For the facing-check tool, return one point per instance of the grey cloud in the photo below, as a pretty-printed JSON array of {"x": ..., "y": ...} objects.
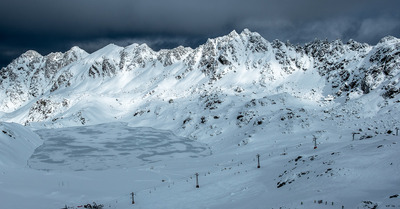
[
  {"x": 56, "y": 25},
  {"x": 163, "y": 16},
  {"x": 372, "y": 29}
]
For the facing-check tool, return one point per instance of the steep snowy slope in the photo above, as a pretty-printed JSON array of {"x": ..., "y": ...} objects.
[{"x": 17, "y": 144}]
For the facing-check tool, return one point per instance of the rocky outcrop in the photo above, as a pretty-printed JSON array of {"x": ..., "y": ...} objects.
[{"x": 31, "y": 75}]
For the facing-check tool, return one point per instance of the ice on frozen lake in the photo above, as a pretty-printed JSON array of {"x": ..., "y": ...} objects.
[{"x": 110, "y": 145}]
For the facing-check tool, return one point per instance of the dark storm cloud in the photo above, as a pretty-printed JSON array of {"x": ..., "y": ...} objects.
[{"x": 57, "y": 25}]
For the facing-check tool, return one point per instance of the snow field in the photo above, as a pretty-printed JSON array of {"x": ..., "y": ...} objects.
[{"x": 343, "y": 171}]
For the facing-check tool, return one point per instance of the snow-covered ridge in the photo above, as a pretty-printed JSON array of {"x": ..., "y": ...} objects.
[
  {"x": 134, "y": 80},
  {"x": 28, "y": 76}
]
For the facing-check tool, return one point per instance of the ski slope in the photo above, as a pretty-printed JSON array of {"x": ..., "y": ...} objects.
[{"x": 340, "y": 171}]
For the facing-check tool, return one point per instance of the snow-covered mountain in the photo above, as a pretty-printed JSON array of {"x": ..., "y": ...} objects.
[
  {"x": 36, "y": 88},
  {"x": 227, "y": 78},
  {"x": 239, "y": 94}
]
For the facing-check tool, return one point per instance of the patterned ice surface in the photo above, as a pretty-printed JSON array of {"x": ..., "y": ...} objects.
[{"x": 110, "y": 145}]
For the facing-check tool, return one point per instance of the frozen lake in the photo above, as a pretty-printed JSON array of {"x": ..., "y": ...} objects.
[{"x": 110, "y": 145}]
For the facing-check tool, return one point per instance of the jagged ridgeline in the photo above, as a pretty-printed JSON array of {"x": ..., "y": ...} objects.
[{"x": 136, "y": 80}]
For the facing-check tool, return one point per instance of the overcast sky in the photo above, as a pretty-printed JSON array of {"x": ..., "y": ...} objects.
[{"x": 57, "y": 25}]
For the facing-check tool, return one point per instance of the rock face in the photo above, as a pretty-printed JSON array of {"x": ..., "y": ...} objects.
[
  {"x": 234, "y": 70},
  {"x": 31, "y": 74}
]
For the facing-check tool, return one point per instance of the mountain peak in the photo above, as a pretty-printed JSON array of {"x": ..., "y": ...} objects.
[
  {"x": 145, "y": 47},
  {"x": 77, "y": 49},
  {"x": 387, "y": 39},
  {"x": 111, "y": 46},
  {"x": 132, "y": 46},
  {"x": 109, "y": 50},
  {"x": 31, "y": 54},
  {"x": 246, "y": 31},
  {"x": 233, "y": 34}
]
